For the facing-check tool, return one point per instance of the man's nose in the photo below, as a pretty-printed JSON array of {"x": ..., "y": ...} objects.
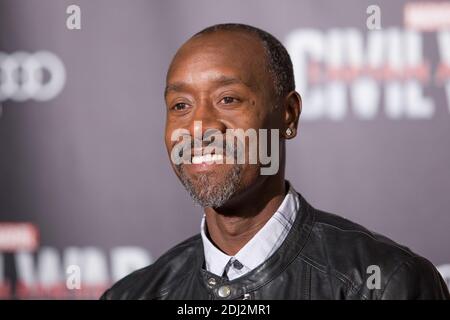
[{"x": 205, "y": 118}]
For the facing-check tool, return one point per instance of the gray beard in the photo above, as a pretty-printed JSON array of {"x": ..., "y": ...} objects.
[{"x": 207, "y": 194}]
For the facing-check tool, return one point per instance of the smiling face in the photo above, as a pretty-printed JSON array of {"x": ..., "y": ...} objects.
[{"x": 222, "y": 80}]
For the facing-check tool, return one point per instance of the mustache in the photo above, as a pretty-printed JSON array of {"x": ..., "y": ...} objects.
[{"x": 210, "y": 141}]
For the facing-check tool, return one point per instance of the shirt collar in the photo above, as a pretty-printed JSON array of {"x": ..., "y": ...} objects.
[{"x": 263, "y": 244}]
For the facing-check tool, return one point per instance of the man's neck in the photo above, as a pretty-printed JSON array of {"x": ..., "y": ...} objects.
[{"x": 231, "y": 228}]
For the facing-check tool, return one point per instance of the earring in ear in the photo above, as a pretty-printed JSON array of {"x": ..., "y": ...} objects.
[{"x": 289, "y": 132}]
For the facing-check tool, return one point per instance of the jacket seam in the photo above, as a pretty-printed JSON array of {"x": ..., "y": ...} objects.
[
  {"x": 370, "y": 236},
  {"x": 351, "y": 286},
  {"x": 333, "y": 273},
  {"x": 307, "y": 238},
  {"x": 327, "y": 259},
  {"x": 165, "y": 290},
  {"x": 400, "y": 265}
]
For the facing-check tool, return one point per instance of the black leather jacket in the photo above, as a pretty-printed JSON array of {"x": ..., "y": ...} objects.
[{"x": 323, "y": 257}]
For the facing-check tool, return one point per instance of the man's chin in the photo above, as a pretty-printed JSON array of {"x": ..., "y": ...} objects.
[{"x": 210, "y": 188}]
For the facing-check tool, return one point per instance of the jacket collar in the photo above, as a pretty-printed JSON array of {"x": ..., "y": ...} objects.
[
  {"x": 268, "y": 270},
  {"x": 263, "y": 244}
]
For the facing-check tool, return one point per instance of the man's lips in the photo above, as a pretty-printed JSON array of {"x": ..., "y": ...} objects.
[
  {"x": 207, "y": 156},
  {"x": 208, "y": 159},
  {"x": 204, "y": 157}
]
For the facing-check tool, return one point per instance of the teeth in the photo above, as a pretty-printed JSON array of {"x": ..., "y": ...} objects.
[{"x": 208, "y": 158}]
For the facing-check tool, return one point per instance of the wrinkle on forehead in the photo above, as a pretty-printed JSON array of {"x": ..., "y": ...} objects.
[
  {"x": 217, "y": 79},
  {"x": 202, "y": 56}
]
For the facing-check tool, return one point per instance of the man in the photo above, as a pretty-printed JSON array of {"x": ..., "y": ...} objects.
[{"x": 259, "y": 238}]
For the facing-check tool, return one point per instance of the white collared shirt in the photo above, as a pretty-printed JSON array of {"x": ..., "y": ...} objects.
[{"x": 263, "y": 244}]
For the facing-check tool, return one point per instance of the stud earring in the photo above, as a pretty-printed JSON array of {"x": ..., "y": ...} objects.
[{"x": 289, "y": 132}]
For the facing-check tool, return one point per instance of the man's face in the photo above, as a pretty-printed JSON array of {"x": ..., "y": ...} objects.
[{"x": 220, "y": 79}]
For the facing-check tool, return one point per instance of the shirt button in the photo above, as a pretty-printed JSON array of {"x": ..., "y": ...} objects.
[
  {"x": 238, "y": 265},
  {"x": 212, "y": 282},
  {"x": 224, "y": 291}
]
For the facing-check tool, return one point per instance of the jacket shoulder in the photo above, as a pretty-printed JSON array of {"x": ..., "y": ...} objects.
[
  {"x": 153, "y": 281},
  {"x": 350, "y": 255}
]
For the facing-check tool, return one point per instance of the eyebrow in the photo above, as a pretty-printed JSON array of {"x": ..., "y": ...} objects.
[{"x": 220, "y": 81}]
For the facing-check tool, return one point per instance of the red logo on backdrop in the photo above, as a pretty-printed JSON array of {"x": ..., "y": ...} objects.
[
  {"x": 18, "y": 236},
  {"x": 427, "y": 16}
]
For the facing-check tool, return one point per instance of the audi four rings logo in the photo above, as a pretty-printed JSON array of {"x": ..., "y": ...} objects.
[{"x": 40, "y": 76}]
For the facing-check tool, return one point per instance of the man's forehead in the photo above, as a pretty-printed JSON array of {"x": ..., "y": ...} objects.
[
  {"x": 218, "y": 58},
  {"x": 236, "y": 39},
  {"x": 214, "y": 79}
]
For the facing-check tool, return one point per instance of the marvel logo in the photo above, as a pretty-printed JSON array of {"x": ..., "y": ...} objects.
[{"x": 18, "y": 237}]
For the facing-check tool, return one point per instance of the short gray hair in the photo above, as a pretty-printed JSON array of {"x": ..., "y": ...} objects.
[{"x": 279, "y": 61}]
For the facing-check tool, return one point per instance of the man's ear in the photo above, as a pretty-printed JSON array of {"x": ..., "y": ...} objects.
[{"x": 292, "y": 110}]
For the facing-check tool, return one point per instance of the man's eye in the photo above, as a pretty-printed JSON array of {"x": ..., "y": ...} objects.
[
  {"x": 228, "y": 100},
  {"x": 179, "y": 106}
]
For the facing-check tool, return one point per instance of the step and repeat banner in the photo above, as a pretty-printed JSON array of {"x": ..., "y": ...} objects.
[{"x": 87, "y": 194}]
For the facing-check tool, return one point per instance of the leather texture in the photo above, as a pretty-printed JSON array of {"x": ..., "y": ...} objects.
[{"x": 323, "y": 257}]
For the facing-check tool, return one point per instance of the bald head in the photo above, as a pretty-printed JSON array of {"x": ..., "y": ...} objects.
[
  {"x": 269, "y": 53},
  {"x": 222, "y": 57}
]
